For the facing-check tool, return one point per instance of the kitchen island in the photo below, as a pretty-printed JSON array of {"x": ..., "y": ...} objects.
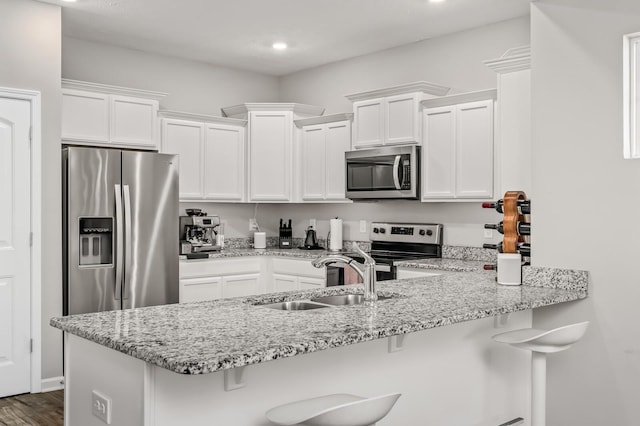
[{"x": 154, "y": 363}]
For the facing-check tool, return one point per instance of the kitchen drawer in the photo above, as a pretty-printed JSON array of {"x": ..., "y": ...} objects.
[
  {"x": 220, "y": 267},
  {"x": 297, "y": 267}
]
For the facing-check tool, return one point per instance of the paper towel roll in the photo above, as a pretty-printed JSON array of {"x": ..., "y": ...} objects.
[{"x": 335, "y": 237}]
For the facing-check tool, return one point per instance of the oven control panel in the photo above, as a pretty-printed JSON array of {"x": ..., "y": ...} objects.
[{"x": 426, "y": 233}]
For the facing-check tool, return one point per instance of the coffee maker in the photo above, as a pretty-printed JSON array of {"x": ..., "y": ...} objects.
[{"x": 198, "y": 233}]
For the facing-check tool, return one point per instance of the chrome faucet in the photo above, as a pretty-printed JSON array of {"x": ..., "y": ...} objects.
[{"x": 366, "y": 270}]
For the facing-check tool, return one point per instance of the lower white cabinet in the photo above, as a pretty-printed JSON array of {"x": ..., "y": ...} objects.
[
  {"x": 241, "y": 285},
  {"x": 210, "y": 279},
  {"x": 196, "y": 289}
]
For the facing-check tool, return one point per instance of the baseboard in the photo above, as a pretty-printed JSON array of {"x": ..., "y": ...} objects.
[{"x": 52, "y": 384}]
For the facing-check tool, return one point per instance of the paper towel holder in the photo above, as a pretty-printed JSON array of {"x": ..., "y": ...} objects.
[{"x": 329, "y": 244}]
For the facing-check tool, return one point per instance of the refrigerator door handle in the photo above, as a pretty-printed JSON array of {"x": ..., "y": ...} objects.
[
  {"x": 128, "y": 251},
  {"x": 119, "y": 242}
]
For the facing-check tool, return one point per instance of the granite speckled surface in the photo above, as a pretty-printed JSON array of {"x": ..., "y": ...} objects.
[{"x": 203, "y": 337}]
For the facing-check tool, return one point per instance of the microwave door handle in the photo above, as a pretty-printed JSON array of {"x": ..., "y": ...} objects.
[
  {"x": 117, "y": 291},
  {"x": 396, "y": 170}
]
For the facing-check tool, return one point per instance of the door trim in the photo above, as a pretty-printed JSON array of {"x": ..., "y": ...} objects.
[{"x": 34, "y": 97}]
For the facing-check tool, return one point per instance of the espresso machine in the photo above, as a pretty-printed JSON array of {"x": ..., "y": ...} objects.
[{"x": 198, "y": 233}]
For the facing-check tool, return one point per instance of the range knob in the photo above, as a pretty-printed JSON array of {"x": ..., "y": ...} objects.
[
  {"x": 429, "y": 232},
  {"x": 422, "y": 232},
  {"x": 375, "y": 230},
  {"x": 382, "y": 230}
]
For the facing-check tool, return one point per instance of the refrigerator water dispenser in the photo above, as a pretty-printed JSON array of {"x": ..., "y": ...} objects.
[{"x": 96, "y": 241}]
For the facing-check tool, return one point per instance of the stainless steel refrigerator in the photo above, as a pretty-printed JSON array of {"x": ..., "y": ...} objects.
[{"x": 120, "y": 221}]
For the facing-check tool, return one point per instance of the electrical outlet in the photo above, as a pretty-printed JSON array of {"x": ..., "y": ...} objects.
[
  {"x": 363, "y": 226},
  {"x": 488, "y": 233},
  {"x": 101, "y": 406},
  {"x": 253, "y": 224},
  {"x": 312, "y": 223}
]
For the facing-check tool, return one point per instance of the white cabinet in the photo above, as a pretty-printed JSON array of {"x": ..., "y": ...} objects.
[
  {"x": 241, "y": 285},
  {"x": 197, "y": 289},
  {"x": 212, "y": 155},
  {"x": 270, "y": 147},
  {"x": 457, "y": 150},
  {"x": 296, "y": 274},
  {"x": 210, "y": 279},
  {"x": 391, "y": 116},
  {"x": 102, "y": 115},
  {"x": 323, "y": 142},
  {"x": 270, "y": 158}
]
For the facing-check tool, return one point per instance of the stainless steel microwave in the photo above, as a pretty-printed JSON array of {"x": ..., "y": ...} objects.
[{"x": 383, "y": 173}]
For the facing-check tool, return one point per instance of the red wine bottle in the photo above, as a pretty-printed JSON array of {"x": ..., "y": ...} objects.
[
  {"x": 524, "y": 206},
  {"x": 523, "y": 248},
  {"x": 523, "y": 228}
]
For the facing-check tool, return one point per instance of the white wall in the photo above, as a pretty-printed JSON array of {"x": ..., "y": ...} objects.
[
  {"x": 453, "y": 60},
  {"x": 587, "y": 205},
  {"x": 192, "y": 86},
  {"x": 30, "y": 46}
]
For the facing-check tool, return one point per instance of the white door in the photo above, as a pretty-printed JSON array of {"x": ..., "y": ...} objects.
[
  {"x": 313, "y": 162},
  {"x": 224, "y": 162},
  {"x": 401, "y": 118},
  {"x": 439, "y": 153},
  {"x": 185, "y": 139},
  {"x": 15, "y": 254},
  {"x": 270, "y": 146},
  {"x": 240, "y": 285},
  {"x": 338, "y": 141},
  {"x": 368, "y": 122}
]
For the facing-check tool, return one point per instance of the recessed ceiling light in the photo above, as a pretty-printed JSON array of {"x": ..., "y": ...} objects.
[
  {"x": 436, "y": 1},
  {"x": 69, "y": 1},
  {"x": 279, "y": 46}
]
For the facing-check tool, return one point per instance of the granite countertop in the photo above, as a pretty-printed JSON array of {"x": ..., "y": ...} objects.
[
  {"x": 271, "y": 251},
  {"x": 203, "y": 337}
]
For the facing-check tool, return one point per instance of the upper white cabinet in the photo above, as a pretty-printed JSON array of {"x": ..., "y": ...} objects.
[
  {"x": 322, "y": 144},
  {"x": 102, "y": 115},
  {"x": 270, "y": 147},
  {"x": 212, "y": 155},
  {"x": 391, "y": 116},
  {"x": 457, "y": 148}
]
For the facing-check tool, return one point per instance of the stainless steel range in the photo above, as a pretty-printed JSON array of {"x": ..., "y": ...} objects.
[{"x": 391, "y": 243}]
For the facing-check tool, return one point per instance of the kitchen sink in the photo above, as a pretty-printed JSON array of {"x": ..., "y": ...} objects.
[
  {"x": 345, "y": 299},
  {"x": 295, "y": 305}
]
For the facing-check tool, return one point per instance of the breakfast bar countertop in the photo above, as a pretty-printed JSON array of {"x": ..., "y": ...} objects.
[{"x": 203, "y": 337}]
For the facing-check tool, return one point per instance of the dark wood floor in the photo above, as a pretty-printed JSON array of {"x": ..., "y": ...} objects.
[{"x": 35, "y": 409}]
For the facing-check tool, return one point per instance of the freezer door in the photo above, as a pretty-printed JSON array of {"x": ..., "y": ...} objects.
[
  {"x": 150, "y": 200},
  {"x": 91, "y": 178}
]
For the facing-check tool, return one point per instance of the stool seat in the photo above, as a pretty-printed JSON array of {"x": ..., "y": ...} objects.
[
  {"x": 546, "y": 341},
  {"x": 334, "y": 410}
]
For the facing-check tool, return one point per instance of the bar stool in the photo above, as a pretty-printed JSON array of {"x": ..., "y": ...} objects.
[
  {"x": 334, "y": 410},
  {"x": 541, "y": 343}
]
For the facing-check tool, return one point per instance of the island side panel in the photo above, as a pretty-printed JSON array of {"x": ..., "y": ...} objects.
[
  {"x": 450, "y": 375},
  {"x": 91, "y": 367}
]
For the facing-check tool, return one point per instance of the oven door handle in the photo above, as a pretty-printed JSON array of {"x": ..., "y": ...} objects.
[
  {"x": 383, "y": 268},
  {"x": 396, "y": 170}
]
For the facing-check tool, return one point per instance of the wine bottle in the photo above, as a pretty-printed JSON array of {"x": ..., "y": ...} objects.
[
  {"x": 524, "y": 206},
  {"x": 523, "y": 228},
  {"x": 523, "y": 248}
]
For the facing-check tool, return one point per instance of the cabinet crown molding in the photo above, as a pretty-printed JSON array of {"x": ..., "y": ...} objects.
[
  {"x": 112, "y": 90},
  {"x": 515, "y": 59},
  {"x": 202, "y": 118},
  {"x": 302, "y": 109},
  {"x": 417, "y": 86},
  {"x": 460, "y": 98},
  {"x": 323, "y": 119}
]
